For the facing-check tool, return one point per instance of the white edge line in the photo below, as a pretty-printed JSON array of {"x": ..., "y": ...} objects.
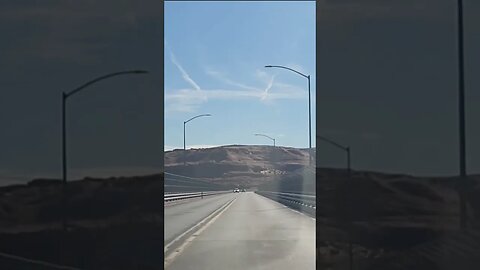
[
  {"x": 192, "y": 228},
  {"x": 172, "y": 256}
]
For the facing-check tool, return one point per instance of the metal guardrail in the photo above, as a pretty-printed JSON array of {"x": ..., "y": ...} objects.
[
  {"x": 183, "y": 196},
  {"x": 307, "y": 200},
  {"x": 183, "y": 178},
  {"x": 184, "y": 184}
]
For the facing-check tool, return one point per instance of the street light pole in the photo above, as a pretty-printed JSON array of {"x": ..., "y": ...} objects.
[
  {"x": 348, "y": 161},
  {"x": 309, "y": 123},
  {"x": 350, "y": 248},
  {"x": 184, "y": 144},
  {"x": 349, "y": 172},
  {"x": 64, "y": 137},
  {"x": 461, "y": 108},
  {"x": 273, "y": 139},
  {"x": 309, "y": 109},
  {"x": 266, "y": 136},
  {"x": 345, "y": 148},
  {"x": 64, "y": 163}
]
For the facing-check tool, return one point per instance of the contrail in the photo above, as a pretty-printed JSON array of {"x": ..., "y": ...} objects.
[
  {"x": 268, "y": 88},
  {"x": 223, "y": 78},
  {"x": 184, "y": 73}
]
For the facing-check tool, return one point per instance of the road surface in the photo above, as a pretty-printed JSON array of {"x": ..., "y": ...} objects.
[
  {"x": 252, "y": 232},
  {"x": 183, "y": 215}
]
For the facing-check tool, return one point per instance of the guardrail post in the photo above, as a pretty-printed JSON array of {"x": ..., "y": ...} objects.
[{"x": 202, "y": 194}]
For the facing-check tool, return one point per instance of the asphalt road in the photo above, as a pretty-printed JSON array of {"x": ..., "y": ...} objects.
[
  {"x": 253, "y": 233},
  {"x": 182, "y": 216}
]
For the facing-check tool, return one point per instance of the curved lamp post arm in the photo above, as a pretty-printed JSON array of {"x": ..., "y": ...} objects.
[
  {"x": 197, "y": 117},
  {"x": 309, "y": 108},
  {"x": 345, "y": 148},
  {"x": 291, "y": 69},
  {"x": 333, "y": 143},
  {"x": 184, "y": 136},
  {"x": 264, "y": 136},
  {"x": 256, "y": 134},
  {"x": 66, "y": 95},
  {"x": 201, "y": 115}
]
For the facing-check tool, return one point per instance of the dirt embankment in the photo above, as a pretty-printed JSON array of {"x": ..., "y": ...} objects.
[
  {"x": 114, "y": 223},
  {"x": 389, "y": 217}
]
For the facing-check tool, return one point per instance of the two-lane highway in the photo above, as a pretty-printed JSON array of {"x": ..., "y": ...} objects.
[
  {"x": 183, "y": 215},
  {"x": 252, "y": 232}
]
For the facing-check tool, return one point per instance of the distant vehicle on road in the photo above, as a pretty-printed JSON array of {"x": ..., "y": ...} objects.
[
  {"x": 244, "y": 190},
  {"x": 236, "y": 190}
]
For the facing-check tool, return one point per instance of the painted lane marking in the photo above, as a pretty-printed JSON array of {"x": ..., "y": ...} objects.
[{"x": 170, "y": 258}]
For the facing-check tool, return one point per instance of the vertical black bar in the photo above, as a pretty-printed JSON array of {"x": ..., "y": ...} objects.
[
  {"x": 317, "y": 86},
  {"x": 348, "y": 162},
  {"x": 63, "y": 246},
  {"x": 350, "y": 247},
  {"x": 274, "y": 156},
  {"x": 309, "y": 124},
  {"x": 461, "y": 107},
  {"x": 161, "y": 40},
  {"x": 184, "y": 147},
  {"x": 64, "y": 163}
]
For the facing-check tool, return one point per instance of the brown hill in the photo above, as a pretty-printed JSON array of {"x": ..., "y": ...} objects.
[
  {"x": 245, "y": 165},
  {"x": 38, "y": 204}
]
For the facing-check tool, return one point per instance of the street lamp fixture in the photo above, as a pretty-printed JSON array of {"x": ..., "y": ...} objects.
[
  {"x": 65, "y": 96},
  {"x": 309, "y": 108},
  {"x": 263, "y": 135},
  {"x": 273, "y": 139},
  {"x": 184, "y": 144},
  {"x": 347, "y": 150}
]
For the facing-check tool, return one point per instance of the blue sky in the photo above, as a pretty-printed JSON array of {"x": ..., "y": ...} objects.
[{"x": 215, "y": 53}]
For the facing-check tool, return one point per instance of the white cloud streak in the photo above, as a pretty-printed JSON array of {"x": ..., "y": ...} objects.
[
  {"x": 190, "y": 99},
  {"x": 185, "y": 75},
  {"x": 270, "y": 84},
  {"x": 220, "y": 76}
]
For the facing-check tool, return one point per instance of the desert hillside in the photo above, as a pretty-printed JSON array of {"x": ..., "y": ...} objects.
[{"x": 244, "y": 165}]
